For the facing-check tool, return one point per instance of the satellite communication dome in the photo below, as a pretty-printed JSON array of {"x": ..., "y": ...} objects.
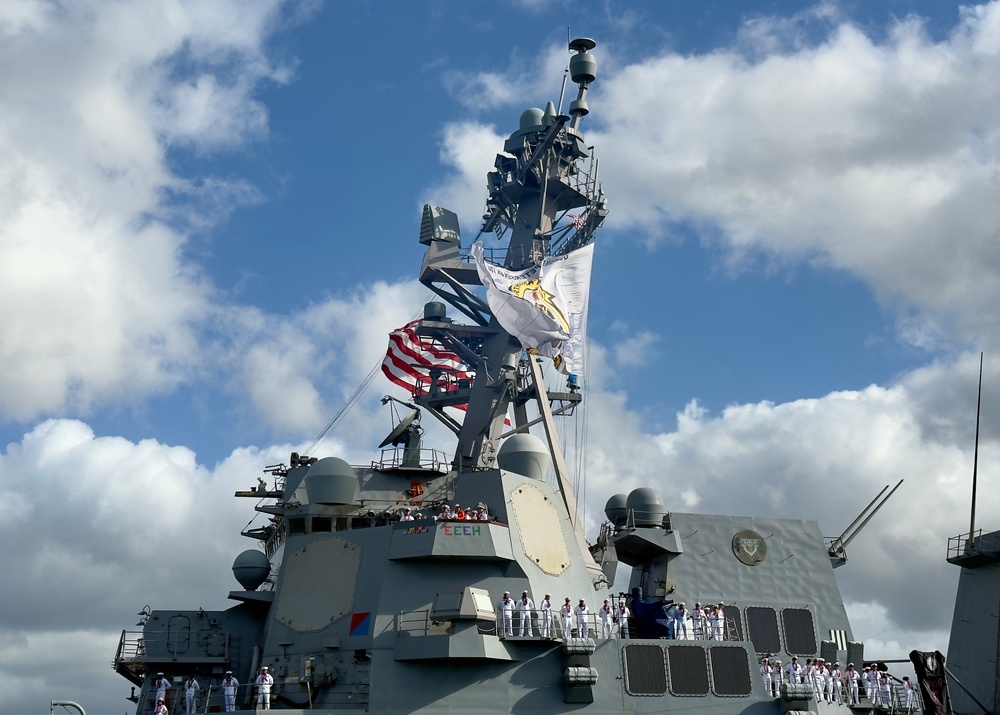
[
  {"x": 251, "y": 569},
  {"x": 524, "y": 454},
  {"x": 646, "y": 507},
  {"x": 616, "y": 510},
  {"x": 331, "y": 481}
]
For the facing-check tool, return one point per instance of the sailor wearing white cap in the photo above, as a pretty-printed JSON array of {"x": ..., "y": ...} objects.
[
  {"x": 623, "y": 616},
  {"x": 794, "y": 671},
  {"x": 581, "y": 612},
  {"x": 680, "y": 623},
  {"x": 697, "y": 618},
  {"x": 191, "y": 691},
  {"x": 871, "y": 685},
  {"x": 546, "y": 616},
  {"x": 161, "y": 684},
  {"x": 506, "y": 609},
  {"x": 229, "y": 686},
  {"x": 567, "y": 618},
  {"x": 524, "y": 608},
  {"x": 853, "y": 677},
  {"x": 777, "y": 676},
  {"x": 264, "y": 682},
  {"x": 161, "y": 707},
  {"x": 765, "y": 674},
  {"x": 837, "y": 681}
]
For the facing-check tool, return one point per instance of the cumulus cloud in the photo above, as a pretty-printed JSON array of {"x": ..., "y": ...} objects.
[
  {"x": 808, "y": 140},
  {"x": 102, "y": 527},
  {"x": 878, "y": 158},
  {"x": 314, "y": 358},
  {"x": 824, "y": 459},
  {"x": 100, "y": 302}
]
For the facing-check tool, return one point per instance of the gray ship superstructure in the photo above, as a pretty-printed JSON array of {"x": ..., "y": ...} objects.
[{"x": 358, "y": 599}]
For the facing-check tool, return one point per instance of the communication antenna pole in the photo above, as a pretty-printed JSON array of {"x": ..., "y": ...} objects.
[{"x": 975, "y": 458}]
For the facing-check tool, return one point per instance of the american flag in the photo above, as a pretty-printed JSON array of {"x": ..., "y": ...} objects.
[
  {"x": 410, "y": 358},
  {"x": 578, "y": 221}
]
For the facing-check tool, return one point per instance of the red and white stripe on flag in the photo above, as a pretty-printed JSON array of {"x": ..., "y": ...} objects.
[{"x": 410, "y": 358}]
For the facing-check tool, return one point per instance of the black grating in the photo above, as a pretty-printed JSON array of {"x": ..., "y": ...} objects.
[
  {"x": 730, "y": 670},
  {"x": 322, "y": 524},
  {"x": 645, "y": 671},
  {"x": 734, "y": 620},
  {"x": 800, "y": 636},
  {"x": 297, "y": 525},
  {"x": 762, "y": 627},
  {"x": 688, "y": 670}
]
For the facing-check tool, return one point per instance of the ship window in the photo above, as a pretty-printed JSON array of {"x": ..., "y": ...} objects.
[
  {"x": 730, "y": 670},
  {"x": 762, "y": 627},
  {"x": 645, "y": 670},
  {"x": 322, "y": 523},
  {"x": 297, "y": 525},
  {"x": 734, "y": 620},
  {"x": 800, "y": 636},
  {"x": 688, "y": 671}
]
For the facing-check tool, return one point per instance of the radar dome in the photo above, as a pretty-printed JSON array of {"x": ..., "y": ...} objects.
[
  {"x": 616, "y": 509},
  {"x": 331, "y": 481},
  {"x": 251, "y": 569},
  {"x": 646, "y": 507},
  {"x": 531, "y": 118},
  {"x": 524, "y": 454}
]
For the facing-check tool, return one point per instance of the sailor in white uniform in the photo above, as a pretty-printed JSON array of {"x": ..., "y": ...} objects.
[
  {"x": 623, "y": 616},
  {"x": 837, "y": 683},
  {"x": 777, "y": 677},
  {"x": 524, "y": 608},
  {"x": 607, "y": 614},
  {"x": 191, "y": 692},
  {"x": 582, "y": 612},
  {"x": 680, "y": 623},
  {"x": 544, "y": 625},
  {"x": 765, "y": 675},
  {"x": 871, "y": 686},
  {"x": 229, "y": 686},
  {"x": 720, "y": 621},
  {"x": 161, "y": 684},
  {"x": 853, "y": 677},
  {"x": 697, "y": 618},
  {"x": 794, "y": 671},
  {"x": 567, "y": 618},
  {"x": 161, "y": 708},
  {"x": 264, "y": 682},
  {"x": 506, "y": 608},
  {"x": 909, "y": 694},
  {"x": 885, "y": 682}
]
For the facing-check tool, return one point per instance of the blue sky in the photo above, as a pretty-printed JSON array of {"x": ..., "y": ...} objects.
[{"x": 209, "y": 225}]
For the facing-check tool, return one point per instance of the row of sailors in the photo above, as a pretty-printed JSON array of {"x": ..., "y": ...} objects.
[
  {"x": 829, "y": 682},
  {"x": 569, "y": 615},
  {"x": 229, "y": 686},
  {"x": 446, "y": 514},
  {"x": 708, "y": 622}
]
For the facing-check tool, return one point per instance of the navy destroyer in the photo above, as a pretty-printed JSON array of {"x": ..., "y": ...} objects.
[{"x": 426, "y": 582}]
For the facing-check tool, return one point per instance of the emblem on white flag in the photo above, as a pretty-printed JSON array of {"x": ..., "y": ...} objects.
[{"x": 544, "y": 306}]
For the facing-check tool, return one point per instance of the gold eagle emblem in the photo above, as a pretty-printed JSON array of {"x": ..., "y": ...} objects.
[{"x": 533, "y": 292}]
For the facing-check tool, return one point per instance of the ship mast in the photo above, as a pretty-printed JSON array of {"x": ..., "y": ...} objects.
[{"x": 545, "y": 171}]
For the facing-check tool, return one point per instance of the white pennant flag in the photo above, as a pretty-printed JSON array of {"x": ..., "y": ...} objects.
[{"x": 544, "y": 306}]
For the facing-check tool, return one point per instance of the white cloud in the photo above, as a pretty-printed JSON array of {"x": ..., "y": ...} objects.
[
  {"x": 296, "y": 370},
  {"x": 104, "y": 526},
  {"x": 824, "y": 459},
  {"x": 100, "y": 302},
  {"x": 469, "y": 148},
  {"x": 879, "y": 158}
]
